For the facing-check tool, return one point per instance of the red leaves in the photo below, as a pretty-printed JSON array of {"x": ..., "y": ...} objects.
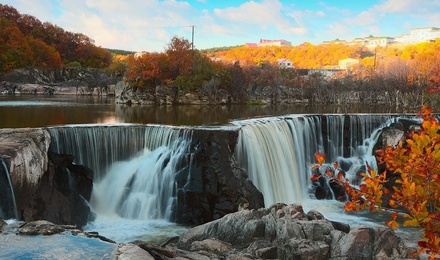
[
  {"x": 315, "y": 177},
  {"x": 415, "y": 165}
]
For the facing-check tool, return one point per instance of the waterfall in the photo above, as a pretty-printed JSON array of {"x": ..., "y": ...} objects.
[
  {"x": 277, "y": 152},
  {"x": 8, "y": 208},
  {"x": 98, "y": 146},
  {"x": 273, "y": 151},
  {"x": 134, "y": 166}
]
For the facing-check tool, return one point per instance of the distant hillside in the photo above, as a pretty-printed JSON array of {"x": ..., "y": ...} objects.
[
  {"x": 327, "y": 55},
  {"x": 218, "y": 49},
  {"x": 306, "y": 55},
  {"x": 120, "y": 52},
  {"x": 28, "y": 42}
]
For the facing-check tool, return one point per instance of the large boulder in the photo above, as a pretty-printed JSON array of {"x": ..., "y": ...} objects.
[{"x": 286, "y": 232}]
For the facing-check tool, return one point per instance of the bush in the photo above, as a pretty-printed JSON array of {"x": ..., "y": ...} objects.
[{"x": 416, "y": 193}]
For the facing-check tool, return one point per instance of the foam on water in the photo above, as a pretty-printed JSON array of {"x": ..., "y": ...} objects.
[{"x": 124, "y": 230}]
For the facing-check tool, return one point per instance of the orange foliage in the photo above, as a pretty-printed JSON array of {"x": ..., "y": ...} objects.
[
  {"x": 304, "y": 56},
  {"x": 415, "y": 196},
  {"x": 26, "y": 41},
  {"x": 416, "y": 162}
]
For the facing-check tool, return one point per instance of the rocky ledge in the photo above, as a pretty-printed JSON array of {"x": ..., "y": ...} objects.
[
  {"x": 46, "y": 185},
  {"x": 279, "y": 232}
]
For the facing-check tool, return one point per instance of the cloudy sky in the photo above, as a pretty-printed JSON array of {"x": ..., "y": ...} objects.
[{"x": 148, "y": 25}]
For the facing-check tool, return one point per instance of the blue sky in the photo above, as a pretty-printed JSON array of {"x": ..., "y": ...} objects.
[{"x": 148, "y": 25}]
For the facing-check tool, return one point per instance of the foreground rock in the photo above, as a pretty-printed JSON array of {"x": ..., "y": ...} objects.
[
  {"x": 279, "y": 232},
  {"x": 286, "y": 232}
]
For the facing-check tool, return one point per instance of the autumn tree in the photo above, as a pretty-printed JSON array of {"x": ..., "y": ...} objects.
[
  {"x": 15, "y": 52},
  {"x": 180, "y": 55},
  {"x": 415, "y": 195},
  {"x": 40, "y": 41},
  {"x": 146, "y": 71}
]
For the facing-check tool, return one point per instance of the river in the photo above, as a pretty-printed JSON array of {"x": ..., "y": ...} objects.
[{"x": 18, "y": 111}]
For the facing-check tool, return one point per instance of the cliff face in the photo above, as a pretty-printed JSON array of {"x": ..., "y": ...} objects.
[
  {"x": 216, "y": 185},
  {"x": 69, "y": 81},
  {"x": 40, "y": 183}
]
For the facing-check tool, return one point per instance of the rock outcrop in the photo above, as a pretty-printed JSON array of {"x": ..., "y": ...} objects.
[
  {"x": 286, "y": 232},
  {"x": 45, "y": 187},
  {"x": 279, "y": 232},
  {"x": 70, "y": 81},
  {"x": 216, "y": 185}
]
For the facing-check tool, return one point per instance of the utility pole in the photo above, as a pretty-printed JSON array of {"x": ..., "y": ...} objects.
[
  {"x": 192, "y": 38},
  {"x": 192, "y": 50}
]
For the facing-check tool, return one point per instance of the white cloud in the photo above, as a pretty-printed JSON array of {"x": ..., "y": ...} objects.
[
  {"x": 150, "y": 24},
  {"x": 364, "y": 19},
  {"x": 266, "y": 15}
]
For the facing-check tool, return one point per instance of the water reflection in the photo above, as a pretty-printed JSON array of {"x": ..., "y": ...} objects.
[{"x": 37, "y": 111}]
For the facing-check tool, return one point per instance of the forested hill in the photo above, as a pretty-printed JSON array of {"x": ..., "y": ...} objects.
[
  {"x": 26, "y": 41},
  {"x": 422, "y": 57},
  {"x": 306, "y": 55}
]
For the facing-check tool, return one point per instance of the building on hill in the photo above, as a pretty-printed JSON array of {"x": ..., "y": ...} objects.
[
  {"x": 416, "y": 35},
  {"x": 419, "y": 35},
  {"x": 281, "y": 42},
  {"x": 346, "y": 64},
  {"x": 372, "y": 42},
  {"x": 251, "y": 44},
  {"x": 138, "y": 55},
  {"x": 285, "y": 64}
]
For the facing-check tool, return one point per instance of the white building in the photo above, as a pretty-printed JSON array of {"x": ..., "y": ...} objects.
[
  {"x": 285, "y": 64},
  {"x": 419, "y": 35},
  {"x": 346, "y": 64},
  {"x": 372, "y": 42},
  {"x": 264, "y": 42}
]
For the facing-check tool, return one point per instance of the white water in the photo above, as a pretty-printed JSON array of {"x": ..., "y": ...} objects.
[
  {"x": 272, "y": 151},
  {"x": 134, "y": 166},
  {"x": 142, "y": 188},
  {"x": 278, "y": 152},
  {"x": 134, "y": 188}
]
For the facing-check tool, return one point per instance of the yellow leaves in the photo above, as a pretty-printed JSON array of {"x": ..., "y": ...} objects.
[
  {"x": 411, "y": 223},
  {"x": 393, "y": 203},
  {"x": 416, "y": 162},
  {"x": 320, "y": 158},
  {"x": 392, "y": 224}
]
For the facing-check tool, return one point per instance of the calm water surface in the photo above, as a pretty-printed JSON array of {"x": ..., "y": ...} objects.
[{"x": 37, "y": 110}]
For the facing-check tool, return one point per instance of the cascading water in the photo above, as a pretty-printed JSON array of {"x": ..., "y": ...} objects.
[
  {"x": 98, "y": 147},
  {"x": 134, "y": 168},
  {"x": 8, "y": 208},
  {"x": 278, "y": 152},
  {"x": 146, "y": 189},
  {"x": 135, "y": 165},
  {"x": 272, "y": 151}
]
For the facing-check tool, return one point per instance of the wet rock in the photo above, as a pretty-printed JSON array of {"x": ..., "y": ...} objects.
[
  {"x": 130, "y": 251},
  {"x": 158, "y": 252},
  {"x": 216, "y": 185},
  {"x": 286, "y": 232},
  {"x": 42, "y": 227},
  {"x": 367, "y": 243}
]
